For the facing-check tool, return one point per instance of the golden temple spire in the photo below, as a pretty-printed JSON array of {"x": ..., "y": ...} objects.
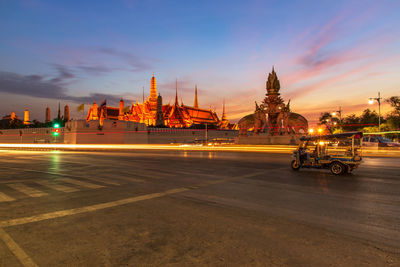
[
  {"x": 223, "y": 111},
  {"x": 153, "y": 90},
  {"x": 176, "y": 92},
  {"x": 196, "y": 102}
]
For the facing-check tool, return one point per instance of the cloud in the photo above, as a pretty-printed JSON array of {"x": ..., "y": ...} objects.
[
  {"x": 39, "y": 86},
  {"x": 64, "y": 74},
  {"x": 136, "y": 63}
]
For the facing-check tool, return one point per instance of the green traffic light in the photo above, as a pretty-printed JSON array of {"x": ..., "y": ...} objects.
[
  {"x": 56, "y": 133},
  {"x": 56, "y": 125}
]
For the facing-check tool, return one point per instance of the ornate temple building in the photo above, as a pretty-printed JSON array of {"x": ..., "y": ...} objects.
[{"x": 152, "y": 112}]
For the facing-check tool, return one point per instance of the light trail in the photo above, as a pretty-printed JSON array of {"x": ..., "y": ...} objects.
[
  {"x": 271, "y": 148},
  {"x": 284, "y": 149}
]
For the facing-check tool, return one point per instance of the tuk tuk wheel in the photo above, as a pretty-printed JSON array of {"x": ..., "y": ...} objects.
[
  {"x": 295, "y": 165},
  {"x": 337, "y": 168}
]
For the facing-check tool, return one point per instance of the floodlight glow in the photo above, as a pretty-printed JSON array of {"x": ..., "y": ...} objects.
[
  {"x": 320, "y": 130},
  {"x": 370, "y": 101},
  {"x": 310, "y": 131}
]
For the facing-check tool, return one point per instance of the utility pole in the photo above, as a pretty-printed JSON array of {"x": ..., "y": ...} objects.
[
  {"x": 339, "y": 112},
  {"x": 378, "y": 99}
]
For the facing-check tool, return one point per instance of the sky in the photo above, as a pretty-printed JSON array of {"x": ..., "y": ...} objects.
[{"x": 326, "y": 53}]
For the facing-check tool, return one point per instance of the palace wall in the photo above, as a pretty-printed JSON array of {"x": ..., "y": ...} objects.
[
  {"x": 112, "y": 132},
  {"x": 264, "y": 139},
  {"x": 171, "y": 135},
  {"x": 30, "y": 135}
]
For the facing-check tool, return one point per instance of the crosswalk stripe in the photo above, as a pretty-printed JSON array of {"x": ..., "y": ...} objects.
[
  {"x": 27, "y": 190},
  {"x": 81, "y": 183},
  {"x": 131, "y": 179},
  {"x": 105, "y": 181},
  {"x": 58, "y": 187},
  {"x": 5, "y": 198}
]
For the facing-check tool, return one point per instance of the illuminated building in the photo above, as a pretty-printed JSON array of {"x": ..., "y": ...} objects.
[
  {"x": 66, "y": 113},
  {"x": 48, "y": 119},
  {"x": 26, "y": 117},
  {"x": 153, "y": 113}
]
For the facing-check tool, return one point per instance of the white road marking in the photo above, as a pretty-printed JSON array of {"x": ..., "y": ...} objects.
[
  {"x": 63, "y": 213},
  {"x": 16, "y": 250},
  {"x": 5, "y": 198},
  {"x": 27, "y": 190},
  {"x": 131, "y": 179},
  {"x": 58, "y": 187},
  {"x": 105, "y": 181},
  {"x": 81, "y": 183}
]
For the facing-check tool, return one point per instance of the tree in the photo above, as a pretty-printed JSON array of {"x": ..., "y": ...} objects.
[
  {"x": 330, "y": 122},
  {"x": 369, "y": 117},
  {"x": 393, "y": 118},
  {"x": 351, "y": 123},
  {"x": 394, "y": 101}
]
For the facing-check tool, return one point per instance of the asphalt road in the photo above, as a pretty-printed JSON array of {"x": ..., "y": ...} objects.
[{"x": 182, "y": 208}]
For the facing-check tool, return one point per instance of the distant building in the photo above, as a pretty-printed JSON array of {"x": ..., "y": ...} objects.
[
  {"x": 66, "y": 113},
  {"x": 26, "y": 117},
  {"x": 48, "y": 119},
  {"x": 153, "y": 113},
  {"x": 11, "y": 121}
]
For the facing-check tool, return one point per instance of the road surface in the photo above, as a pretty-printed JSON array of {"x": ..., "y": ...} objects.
[{"x": 182, "y": 208}]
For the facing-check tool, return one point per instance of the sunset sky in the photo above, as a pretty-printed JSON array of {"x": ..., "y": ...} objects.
[{"x": 326, "y": 53}]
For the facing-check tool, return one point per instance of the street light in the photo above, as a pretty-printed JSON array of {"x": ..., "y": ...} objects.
[
  {"x": 371, "y": 101},
  {"x": 338, "y": 112}
]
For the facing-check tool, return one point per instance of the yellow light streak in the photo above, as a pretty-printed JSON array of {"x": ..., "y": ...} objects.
[{"x": 284, "y": 149}]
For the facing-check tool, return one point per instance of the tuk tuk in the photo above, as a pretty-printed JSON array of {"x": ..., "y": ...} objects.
[{"x": 340, "y": 153}]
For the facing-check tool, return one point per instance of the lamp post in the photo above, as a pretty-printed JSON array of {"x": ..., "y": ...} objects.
[
  {"x": 371, "y": 101},
  {"x": 338, "y": 112}
]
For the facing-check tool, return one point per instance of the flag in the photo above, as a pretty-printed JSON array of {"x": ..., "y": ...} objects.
[{"x": 81, "y": 107}]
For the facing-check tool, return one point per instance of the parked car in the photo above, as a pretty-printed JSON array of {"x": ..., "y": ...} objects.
[{"x": 378, "y": 141}]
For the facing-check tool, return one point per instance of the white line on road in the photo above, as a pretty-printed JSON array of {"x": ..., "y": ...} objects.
[
  {"x": 58, "y": 187},
  {"x": 16, "y": 250},
  {"x": 81, "y": 183},
  {"x": 63, "y": 213},
  {"x": 105, "y": 181},
  {"x": 5, "y": 198},
  {"x": 27, "y": 190}
]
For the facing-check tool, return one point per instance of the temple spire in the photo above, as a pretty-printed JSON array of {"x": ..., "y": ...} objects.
[
  {"x": 153, "y": 91},
  {"x": 59, "y": 112},
  {"x": 176, "y": 92},
  {"x": 196, "y": 102},
  {"x": 223, "y": 111}
]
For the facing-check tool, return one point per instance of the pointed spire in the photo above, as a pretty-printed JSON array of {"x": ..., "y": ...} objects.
[
  {"x": 196, "y": 102},
  {"x": 176, "y": 92},
  {"x": 153, "y": 91},
  {"x": 59, "y": 112},
  {"x": 223, "y": 111}
]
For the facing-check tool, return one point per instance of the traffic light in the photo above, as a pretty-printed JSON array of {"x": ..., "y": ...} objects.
[{"x": 56, "y": 129}]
